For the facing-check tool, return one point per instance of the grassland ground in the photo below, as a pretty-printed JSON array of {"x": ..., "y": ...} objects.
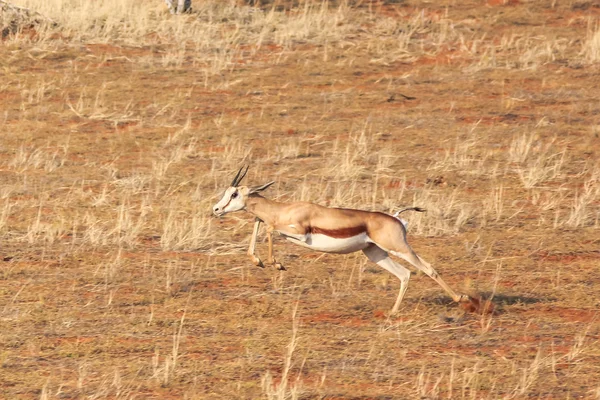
[{"x": 120, "y": 125}]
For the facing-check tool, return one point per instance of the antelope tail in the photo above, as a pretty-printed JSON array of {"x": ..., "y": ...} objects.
[{"x": 417, "y": 209}]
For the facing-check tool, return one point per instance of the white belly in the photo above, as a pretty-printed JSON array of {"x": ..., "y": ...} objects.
[{"x": 327, "y": 244}]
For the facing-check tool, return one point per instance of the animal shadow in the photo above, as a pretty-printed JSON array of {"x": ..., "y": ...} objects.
[
  {"x": 509, "y": 300},
  {"x": 499, "y": 301}
]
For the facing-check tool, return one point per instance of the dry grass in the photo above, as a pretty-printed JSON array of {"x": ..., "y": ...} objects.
[{"x": 121, "y": 124}]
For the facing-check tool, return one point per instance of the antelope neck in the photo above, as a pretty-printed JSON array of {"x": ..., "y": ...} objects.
[{"x": 263, "y": 208}]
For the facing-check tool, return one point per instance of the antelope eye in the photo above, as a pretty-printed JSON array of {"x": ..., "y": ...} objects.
[{"x": 234, "y": 195}]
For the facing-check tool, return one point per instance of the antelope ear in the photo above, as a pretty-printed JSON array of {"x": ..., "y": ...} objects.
[{"x": 257, "y": 189}]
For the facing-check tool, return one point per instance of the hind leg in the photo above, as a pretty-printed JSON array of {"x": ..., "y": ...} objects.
[
  {"x": 381, "y": 258},
  {"x": 272, "y": 259},
  {"x": 410, "y": 256},
  {"x": 392, "y": 238}
]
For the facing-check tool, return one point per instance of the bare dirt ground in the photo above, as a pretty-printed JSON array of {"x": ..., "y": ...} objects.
[{"x": 120, "y": 126}]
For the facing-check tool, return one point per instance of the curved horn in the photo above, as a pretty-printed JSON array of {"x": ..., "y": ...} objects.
[{"x": 239, "y": 178}]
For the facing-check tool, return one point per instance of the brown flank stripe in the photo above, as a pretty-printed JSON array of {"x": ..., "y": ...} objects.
[{"x": 341, "y": 233}]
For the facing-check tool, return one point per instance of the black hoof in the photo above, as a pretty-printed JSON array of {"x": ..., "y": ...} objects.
[{"x": 280, "y": 267}]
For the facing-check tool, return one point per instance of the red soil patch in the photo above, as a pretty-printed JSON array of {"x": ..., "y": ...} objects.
[
  {"x": 108, "y": 49},
  {"x": 330, "y": 318},
  {"x": 73, "y": 339},
  {"x": 568, "y": 257},
  {"x": 567, "y": 314},
  {"x": 574, "y": 314}
]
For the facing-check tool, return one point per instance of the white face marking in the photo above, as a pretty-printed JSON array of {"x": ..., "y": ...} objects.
[
  {"x": 327, "y": 244},
  {"x": 234, "y": 199}
]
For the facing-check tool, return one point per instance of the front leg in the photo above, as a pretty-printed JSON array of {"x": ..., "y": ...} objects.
[
  {"x": 252, "y": 248},
  {"x": 272, "y": 260}
]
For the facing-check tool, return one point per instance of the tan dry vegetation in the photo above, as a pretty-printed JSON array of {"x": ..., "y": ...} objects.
[{"x": 120, "y": 125}]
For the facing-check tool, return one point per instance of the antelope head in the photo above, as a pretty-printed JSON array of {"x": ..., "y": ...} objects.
[{"x": 234, "y": 198}]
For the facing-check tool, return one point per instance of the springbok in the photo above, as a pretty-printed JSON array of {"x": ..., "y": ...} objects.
[{"x": 330, "y": 230}]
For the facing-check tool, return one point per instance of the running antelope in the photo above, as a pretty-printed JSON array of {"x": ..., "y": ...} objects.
[{"x": 330, "y": 230}]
